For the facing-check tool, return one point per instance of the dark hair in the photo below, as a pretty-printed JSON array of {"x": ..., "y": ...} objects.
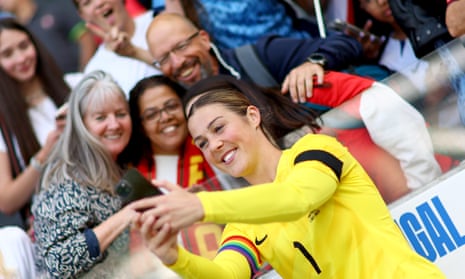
[
  {"x": 13, "y": 108},
  {"x": 139, "y": 146},
  {"x": 279, "y": 114}
]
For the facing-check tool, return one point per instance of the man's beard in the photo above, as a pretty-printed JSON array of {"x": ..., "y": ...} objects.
[{"x": 206, "y": 70}]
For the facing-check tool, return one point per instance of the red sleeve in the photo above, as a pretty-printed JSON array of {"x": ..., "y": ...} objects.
[{"x": 338, "y": 87}]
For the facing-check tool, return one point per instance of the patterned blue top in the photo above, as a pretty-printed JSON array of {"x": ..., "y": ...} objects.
[
  {"x": 66, "y": 247},
  {"x": 234, "y": 23}
]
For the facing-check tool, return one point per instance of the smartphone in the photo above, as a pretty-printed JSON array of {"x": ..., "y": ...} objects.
[
  {"x": 134, "y": 186},
  {"x": 345, "y": 27}
]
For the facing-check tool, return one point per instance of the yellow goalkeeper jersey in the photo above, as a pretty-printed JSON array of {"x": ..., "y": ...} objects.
[{"x": 322, "y": 217}]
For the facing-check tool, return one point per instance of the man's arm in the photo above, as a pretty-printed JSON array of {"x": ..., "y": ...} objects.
[{"x": 281, "y": 55}]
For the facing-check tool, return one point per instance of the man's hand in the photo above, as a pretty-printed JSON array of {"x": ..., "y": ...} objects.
[{"x": 299, "y": 82}]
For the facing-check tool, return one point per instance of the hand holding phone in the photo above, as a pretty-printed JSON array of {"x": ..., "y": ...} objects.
[{"x": 134, "y": 186}]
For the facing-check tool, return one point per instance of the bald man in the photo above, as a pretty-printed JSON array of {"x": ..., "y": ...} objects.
[{"x": 186, "y": 54}]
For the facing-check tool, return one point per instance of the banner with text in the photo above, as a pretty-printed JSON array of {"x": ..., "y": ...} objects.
[{"x": 433, "y": 221}]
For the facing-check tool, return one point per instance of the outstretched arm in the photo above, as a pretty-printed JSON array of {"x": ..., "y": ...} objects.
[
  {"x": 281, "y": 54},
  {"x": 308, "y": 186}
]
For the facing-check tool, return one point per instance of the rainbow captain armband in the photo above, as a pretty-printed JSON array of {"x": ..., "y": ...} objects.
[{"x": 245, "y": 247}]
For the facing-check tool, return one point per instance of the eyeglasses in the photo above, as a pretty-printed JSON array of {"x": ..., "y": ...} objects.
[
  {"x": 154, "y": 114},
  {"x": 179, "y": 48}
]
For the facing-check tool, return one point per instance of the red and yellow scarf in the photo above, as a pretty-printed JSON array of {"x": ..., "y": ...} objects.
[{"x": 192, "y": 170}]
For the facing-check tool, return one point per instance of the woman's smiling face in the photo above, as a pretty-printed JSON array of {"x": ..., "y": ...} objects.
[
  {"x": 163, "y": 119},
  {"x": 18, "y": 55},
  {"x": 226, "y": 138},
  {"x": 110, "y": 123}
]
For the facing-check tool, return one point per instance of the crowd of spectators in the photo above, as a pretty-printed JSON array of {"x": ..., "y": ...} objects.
[{"x": 93, "y": 89}]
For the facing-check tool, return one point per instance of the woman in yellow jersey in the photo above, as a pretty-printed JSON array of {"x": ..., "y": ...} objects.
[{"x": 313, "y": 212}]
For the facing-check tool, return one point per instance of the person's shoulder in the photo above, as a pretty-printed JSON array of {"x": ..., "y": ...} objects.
[
  {"x": 62, "y": 196},
  {"x": 318, "y": 142},
  {"x": 315, "y": 140},
  {"x": 64, "y": 189}
]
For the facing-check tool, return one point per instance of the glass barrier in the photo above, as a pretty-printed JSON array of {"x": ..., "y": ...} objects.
[
  {"x": 442, "y": 98},
  {"x": 435, "y": 86}
]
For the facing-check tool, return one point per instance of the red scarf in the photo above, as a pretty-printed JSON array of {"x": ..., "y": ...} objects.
[{"x": 192, "y": 168}]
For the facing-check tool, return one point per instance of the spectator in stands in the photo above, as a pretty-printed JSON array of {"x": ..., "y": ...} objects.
[
  {"x": 161, "y": 148},
  {"x": 120, "y": 32},
  {"x": 397, "y": 53},
  {"x": 300, "y": 197},
  {"x": 188, "y": 61},
  {"x": 160, "y": 129},
  {"x": 79, "y": 225},
  {"x": 186, "y": 54},
  {"x": 31, "y": 89},
  {"x": 57, "y": 25}
]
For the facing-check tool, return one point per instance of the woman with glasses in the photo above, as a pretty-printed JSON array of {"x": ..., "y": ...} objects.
[
  {"x": 161, "y": 148},
  {"x": 81, "y": 225}
]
